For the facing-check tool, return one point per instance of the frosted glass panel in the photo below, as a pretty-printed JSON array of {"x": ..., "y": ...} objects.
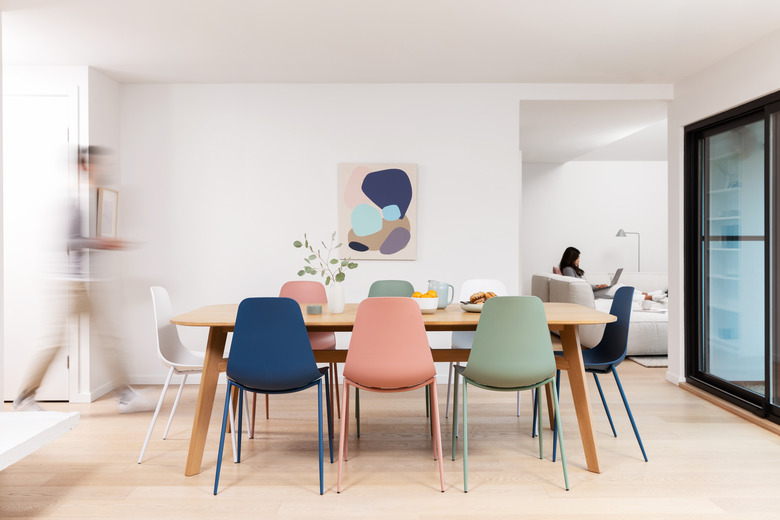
[
  {"x": 734, "y": 255},
  {"x": 735, "y": 313},
  {"x": 736, "y": 181}
]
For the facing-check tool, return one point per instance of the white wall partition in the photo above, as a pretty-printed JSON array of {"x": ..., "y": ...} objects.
[
  {"x": 219, "y": 180},
  {"x": 583, "y": 204}
]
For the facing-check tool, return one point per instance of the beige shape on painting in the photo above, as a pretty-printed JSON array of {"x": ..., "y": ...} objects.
[
  {"x": 375, "y": 241},
  {"x": 353, "y": 191}
]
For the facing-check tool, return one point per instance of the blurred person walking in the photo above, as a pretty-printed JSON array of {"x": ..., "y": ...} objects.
[{"x": 77, "y": 292}]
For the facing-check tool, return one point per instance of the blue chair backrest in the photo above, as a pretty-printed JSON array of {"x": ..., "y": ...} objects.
[
  {"x": 614, "y": 343},
  {"x": 270, "y": 348}
]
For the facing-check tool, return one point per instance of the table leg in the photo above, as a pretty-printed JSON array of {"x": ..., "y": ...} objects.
[
  {"x": 579, "y": 391},
  {"x": 550, "y": 404},
  {"x": 215, "y": 348}
]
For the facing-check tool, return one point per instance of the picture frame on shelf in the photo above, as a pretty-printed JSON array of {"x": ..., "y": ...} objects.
[{"x": 108, "y": 212}]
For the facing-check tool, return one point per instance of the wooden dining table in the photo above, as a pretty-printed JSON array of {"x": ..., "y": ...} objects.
[{"x": 562, "y": 317}]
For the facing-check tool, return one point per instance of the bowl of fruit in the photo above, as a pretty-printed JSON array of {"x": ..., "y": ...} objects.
[{"x": 427, "y": 301}]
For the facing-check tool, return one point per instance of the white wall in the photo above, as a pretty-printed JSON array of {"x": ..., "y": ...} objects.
[
  {"x": 219, "y": 180},
  {"x": 583, "y": 204},
  {"x": 746, "y": 75},
  {"x": 2, "y": 268},
  {"x": 103, "y": 131}
]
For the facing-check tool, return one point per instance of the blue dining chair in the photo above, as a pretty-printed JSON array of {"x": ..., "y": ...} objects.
[
  {"x": 271, "y": 354},
  {"x": 511, "y": 351},
  {"x": 608, "y": 354}
]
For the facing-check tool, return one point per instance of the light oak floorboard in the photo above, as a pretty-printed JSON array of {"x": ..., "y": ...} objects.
[{"x": 705, "y": 463}]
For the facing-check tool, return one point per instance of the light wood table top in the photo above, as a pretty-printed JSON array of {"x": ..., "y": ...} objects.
[
  {"x": 448, "y": 319},
  {"x": 563, "y": 317}
]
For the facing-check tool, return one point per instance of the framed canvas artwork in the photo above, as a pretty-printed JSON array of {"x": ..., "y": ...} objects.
[{"x": 377, "y": 211}]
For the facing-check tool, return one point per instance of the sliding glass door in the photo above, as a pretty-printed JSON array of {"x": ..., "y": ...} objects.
[{"x": 731, "y": 256}]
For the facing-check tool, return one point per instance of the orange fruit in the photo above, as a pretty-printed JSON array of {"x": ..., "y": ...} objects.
[
  {"x": 416, "y": 294},
  {"x": 431, "y": 294}
]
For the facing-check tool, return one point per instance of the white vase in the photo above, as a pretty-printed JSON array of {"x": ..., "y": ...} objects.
[{"x": 335, "y": 297}]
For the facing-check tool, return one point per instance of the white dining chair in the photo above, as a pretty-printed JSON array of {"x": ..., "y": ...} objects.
[{"x": 179, "y": 359}]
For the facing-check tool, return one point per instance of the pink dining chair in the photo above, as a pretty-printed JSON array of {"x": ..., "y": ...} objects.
[
  {"x": 389, "y": 352},
  {"x": 304, "y": 292}
]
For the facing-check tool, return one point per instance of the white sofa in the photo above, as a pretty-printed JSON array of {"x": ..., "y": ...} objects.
[{"x": 647, "y": 334}]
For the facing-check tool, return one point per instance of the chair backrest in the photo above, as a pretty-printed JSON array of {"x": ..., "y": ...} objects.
[
  {"x": 270, "y": 348},
  {"x": 310, "y": 291},
  {"x": 389, "y": 347},
  {"x": 614, "y": 344},
  {"x": 304, "y": 291},
  {"x": 384, "y": 288},
  {"x": 169, "y": 347},
  {"x": 512, "y": 346},
  {"x": 469, "y": 287}
]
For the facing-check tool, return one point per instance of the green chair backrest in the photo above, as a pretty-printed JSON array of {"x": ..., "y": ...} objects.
[
  {"x": 512, "y": 346},
  {"x": 390, "y": 288}
]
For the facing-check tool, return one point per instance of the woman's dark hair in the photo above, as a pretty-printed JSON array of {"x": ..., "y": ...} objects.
[{"x": 569, "y": 257}]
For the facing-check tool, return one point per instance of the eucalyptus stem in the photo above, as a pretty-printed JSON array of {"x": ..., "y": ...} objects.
[{"x": 327, "y": 265}]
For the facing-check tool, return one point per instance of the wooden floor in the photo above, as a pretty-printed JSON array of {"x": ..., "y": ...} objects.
[{"x": 705, "y": 463}]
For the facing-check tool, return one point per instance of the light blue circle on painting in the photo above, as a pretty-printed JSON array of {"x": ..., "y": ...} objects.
[
  {"x": 366, "y": 220},
  {"x": 391, "y": 212}
]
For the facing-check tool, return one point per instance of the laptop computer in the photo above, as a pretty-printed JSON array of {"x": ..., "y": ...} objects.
[{"x": 615, "y": 278}]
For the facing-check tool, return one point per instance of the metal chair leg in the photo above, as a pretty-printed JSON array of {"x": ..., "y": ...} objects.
[
  {"x": 604, "y": 402},
  {"x": 630, "y": 415}
]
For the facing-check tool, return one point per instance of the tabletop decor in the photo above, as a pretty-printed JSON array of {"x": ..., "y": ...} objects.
[{"x": 327, "y": 264}]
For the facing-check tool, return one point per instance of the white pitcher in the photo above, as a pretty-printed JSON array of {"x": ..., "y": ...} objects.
[{"x": 443, "y": 291}]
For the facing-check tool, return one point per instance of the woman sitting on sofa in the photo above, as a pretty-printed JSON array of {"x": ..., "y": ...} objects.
[{"x": 570, "y": 266}]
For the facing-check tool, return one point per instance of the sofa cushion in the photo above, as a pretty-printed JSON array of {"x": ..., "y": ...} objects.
[
  {"x": 571, "y": 290},
  {"x": 540, "y": 287}
]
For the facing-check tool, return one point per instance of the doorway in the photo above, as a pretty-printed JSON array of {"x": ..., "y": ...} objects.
[{"x": 36, "y": 186}]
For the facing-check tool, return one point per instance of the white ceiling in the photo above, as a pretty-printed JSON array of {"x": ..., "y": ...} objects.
[
  {"x": 393, "y": 41},
  {"x": 561, "y": 131}
]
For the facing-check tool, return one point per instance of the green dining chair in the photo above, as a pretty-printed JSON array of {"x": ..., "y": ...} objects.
[
  {"x": 385, "y": 288},
  {"x": 512, "y": 351}
]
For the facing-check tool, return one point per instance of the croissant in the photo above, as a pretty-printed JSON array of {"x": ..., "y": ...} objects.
[
  {"x": 490, "y": 295},
  {"x": 477, "y": 297}
]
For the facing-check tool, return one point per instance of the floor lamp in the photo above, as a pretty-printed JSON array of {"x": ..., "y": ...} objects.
[{"x": 622, "y": 234}]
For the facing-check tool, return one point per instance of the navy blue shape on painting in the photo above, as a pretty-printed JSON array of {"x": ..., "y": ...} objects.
[
  {"x": 357, "y": 246},
  {"x": 388, "y": 187}
]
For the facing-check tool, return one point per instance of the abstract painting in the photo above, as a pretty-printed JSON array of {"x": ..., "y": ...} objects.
[{"x": 378, "y": 210}]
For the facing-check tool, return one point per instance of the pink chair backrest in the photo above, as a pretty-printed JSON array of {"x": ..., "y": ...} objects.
[
  {"x": 389, "y": 347},
  {"x": 304, "y": 291},
  {"x": 310, "y": 292}
]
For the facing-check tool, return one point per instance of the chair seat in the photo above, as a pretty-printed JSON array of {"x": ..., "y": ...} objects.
[
  {"x": 322, "y": 340},
  {"x": 323, "y": 371},
  {"x": 392, "y": 388},
  {"x": 187, "y": 361},
  {"x": 596, "y": 361}
]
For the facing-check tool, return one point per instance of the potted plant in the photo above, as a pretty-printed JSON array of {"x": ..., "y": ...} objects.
[{"x": 327, "y": 264}]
